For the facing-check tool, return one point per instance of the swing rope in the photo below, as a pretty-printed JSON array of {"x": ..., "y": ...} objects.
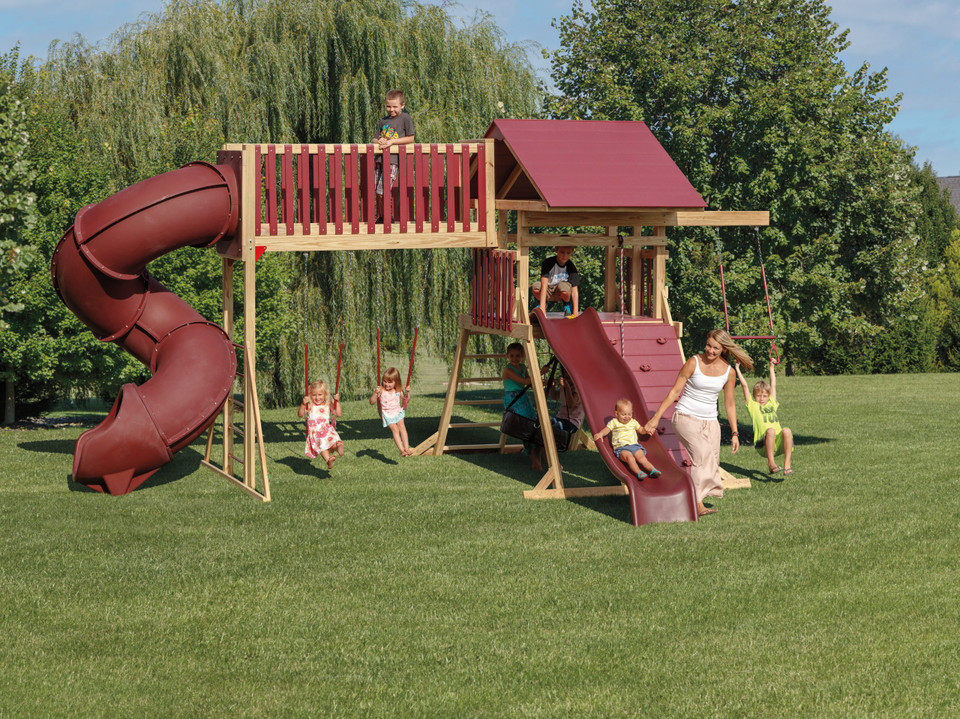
[
  {"x": 306, "y": 348},
  {"x": 773, "y": 353}
]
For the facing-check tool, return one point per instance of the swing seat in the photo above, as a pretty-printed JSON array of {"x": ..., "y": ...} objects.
[
  {"x": 561, "y": 437},
  {"x": 528, "y": 430},
  {"x": 519, "y": 427}
]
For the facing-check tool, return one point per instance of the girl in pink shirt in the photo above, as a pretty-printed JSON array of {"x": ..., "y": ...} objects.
[{"x": 391, "y": 399}]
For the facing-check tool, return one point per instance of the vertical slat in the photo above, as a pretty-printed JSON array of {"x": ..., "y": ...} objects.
[
  {"x": 465, "y": 187},
  {"x": 353, "y": 159},
  {"x": 370, "y": 190},
  {"x": 474, "y": 294},
  {"x": 495, "y": 294},
  {"x": 453, "y": 172},
  {"x": 419, "y": 181},
  {"x": 336, "y": 182},
  {"x": 303, "y": 183},
  {"x": 286, "y": 187},
  {"x": 482, "y": 187},
  {"x": 387, "y": 192},
  {"x": 436, "y": 178},
  {"x": 320, "y": 202},
  {"x": 271, "y": 171},
  {"x": 510, "y": 294},
  {"x": 258, "y": 212},
  {"x": 402, "y": 202}
]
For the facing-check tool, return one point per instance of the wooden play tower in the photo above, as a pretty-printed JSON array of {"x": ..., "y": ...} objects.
[{"x": 549, "y": 173}]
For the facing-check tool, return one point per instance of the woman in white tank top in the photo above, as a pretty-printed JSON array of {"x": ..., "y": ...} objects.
[{"x": 695, "y": 418}]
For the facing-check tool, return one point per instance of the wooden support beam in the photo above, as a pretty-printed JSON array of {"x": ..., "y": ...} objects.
[
  {"x": 510, "y": 181},
  {"x": 394, "y": 240},
  {"x": 575, "y": 492},
  {"x": 448, "y": 402},
  {"x": 543, "y": 414}
]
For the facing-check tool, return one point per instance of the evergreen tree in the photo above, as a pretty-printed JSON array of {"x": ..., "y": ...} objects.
[{"x": 751, "y": 100}]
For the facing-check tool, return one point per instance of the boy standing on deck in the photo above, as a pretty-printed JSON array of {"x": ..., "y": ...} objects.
[
  {"x": 558, "y": 282},
  {"x": 396, "y": 128}
]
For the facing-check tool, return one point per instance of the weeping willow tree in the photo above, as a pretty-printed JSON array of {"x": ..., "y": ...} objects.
[{"x": 176, "y": 85}]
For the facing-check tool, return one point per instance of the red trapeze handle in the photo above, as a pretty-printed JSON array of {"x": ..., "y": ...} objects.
[{"x": 339, "y": 363}]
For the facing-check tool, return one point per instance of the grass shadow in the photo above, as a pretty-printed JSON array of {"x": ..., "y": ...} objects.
[
  {"x": 376, "y": 454},
  {"x": 50, "y": 446},
  {"x": 305, "y": 467}
]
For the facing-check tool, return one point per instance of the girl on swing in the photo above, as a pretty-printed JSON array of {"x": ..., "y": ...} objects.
[
  {"x": 321, "y": 434},
  {"x": 392, "y": 400}
]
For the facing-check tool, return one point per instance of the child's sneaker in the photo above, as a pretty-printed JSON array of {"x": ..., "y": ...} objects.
[
  {"x": 568, "y": 308},
  {"x": 654, "y": 473}
]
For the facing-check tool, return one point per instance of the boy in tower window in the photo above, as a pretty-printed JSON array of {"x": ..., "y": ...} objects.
[{"x": 558, "y": 282}]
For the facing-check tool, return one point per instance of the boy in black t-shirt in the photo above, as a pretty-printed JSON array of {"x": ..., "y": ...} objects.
[
  {"x": 558, "y": 282},
  {"x": 396, "y": 128}
]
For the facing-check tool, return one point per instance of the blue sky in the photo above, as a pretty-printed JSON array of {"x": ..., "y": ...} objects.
[{"x": 919, "y": 42}]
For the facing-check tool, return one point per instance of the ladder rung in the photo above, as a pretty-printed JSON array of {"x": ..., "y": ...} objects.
[
  {"x": 236, "y": 458},
  {"x": 478, "y": 401},
  {"x": 237, "y": 402},
  {"x": 239, "y": 346},
  {"x": 474, "y": 424},
  {"x": 478, "y": 379},
  {"x": 236, "y": 429}
]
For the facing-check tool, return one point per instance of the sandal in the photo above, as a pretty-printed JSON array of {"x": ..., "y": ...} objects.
[
  {"x": 775, "y": 469},
  {"x": 788, "y": 470},
  {"x": 654, "y": 473},
  {"x": 706, "y": 510}
]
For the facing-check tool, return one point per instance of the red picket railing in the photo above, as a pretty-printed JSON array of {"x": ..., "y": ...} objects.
[
  {"x": 492, "y": 289},
  {"x": 311, "y": 190}
]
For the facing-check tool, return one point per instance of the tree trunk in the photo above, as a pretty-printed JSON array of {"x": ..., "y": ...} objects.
[{"x": 9, "y": 415}]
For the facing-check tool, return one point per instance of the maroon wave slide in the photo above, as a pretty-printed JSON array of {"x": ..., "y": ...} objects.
[
  {"x": 602, "y": 378},
  {"x": 99, "y": 272}
]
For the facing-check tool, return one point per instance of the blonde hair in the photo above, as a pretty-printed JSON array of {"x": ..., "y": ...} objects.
[
  {"x": 392, "y": 374},
  {"x": 319, "y": 386},
  {"x": 395, "y": 95},
  {"x": 730, "y": 348},
  {"x": 623, "y": 403},
  {"x": 760, "y": 385}
]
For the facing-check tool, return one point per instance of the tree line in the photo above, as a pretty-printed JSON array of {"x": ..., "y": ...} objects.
[{"x": 749, "y": 98}]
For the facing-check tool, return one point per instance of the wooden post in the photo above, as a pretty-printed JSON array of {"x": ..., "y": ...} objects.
[
  {"x": 250, "y": 368},
  {"x": 490, "y": 192},
  {"x": 610, "y": 294},
  {"x": 523, "y": 269},
  {"x": 502, "y": 220},
  {"x": 228, "y": 327},
  {"x": 659, "y": 277},
  {"x": 552, "y": 476},
  {"x": 451, "y": 392}
]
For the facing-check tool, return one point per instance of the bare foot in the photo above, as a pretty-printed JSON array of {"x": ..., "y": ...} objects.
[{"x": 333, "y": 458}]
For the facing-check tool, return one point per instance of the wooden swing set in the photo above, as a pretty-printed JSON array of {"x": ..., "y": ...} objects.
[{"x": 321, "y": 198}]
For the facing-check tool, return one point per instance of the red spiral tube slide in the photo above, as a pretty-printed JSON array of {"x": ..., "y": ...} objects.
[{"x": 98, "y": 271}]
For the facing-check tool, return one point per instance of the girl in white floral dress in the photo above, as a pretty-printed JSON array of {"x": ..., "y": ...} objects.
[{"x": 321, "y": 434}]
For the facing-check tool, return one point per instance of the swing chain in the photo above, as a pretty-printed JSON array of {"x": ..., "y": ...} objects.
[{"x": 622, "y": 301}]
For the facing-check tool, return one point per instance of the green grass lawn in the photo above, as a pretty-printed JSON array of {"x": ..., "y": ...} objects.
[{"x": 429, "y": 587}]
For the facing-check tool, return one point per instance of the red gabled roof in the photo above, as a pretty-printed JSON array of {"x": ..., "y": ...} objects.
[{"x": 590, "y": 163}]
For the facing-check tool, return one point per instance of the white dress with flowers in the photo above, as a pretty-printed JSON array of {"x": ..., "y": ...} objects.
[{"x": 321, "y": 434}]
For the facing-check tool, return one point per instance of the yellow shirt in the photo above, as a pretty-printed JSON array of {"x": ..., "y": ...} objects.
[{"x": 623, "y": 434}]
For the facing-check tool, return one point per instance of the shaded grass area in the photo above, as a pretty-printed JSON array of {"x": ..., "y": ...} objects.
[{"x": 429, "y": 587}]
